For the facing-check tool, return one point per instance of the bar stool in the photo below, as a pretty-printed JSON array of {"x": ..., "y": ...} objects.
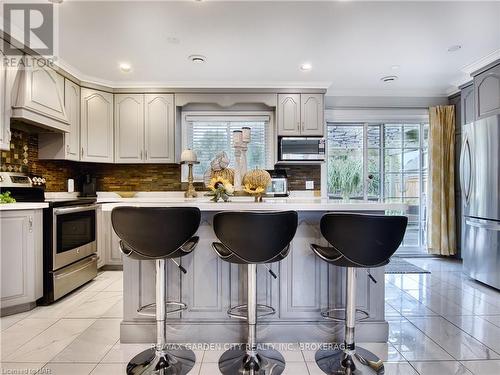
[
  {"x": 158, "y": 233},
  {"x": 253, "y": 238},
  {"x": 356, "y": 241}
]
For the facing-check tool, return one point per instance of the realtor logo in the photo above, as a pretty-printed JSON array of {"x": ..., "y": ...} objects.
[{"x": 30, "y": 24}]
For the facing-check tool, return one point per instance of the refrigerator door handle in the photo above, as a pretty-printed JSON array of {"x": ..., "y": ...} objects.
[
  {"x": 482, "y": 224},
  {"x": 466, "y": 153}
]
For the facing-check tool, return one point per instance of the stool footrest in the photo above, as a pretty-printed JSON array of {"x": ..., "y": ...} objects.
[
  {"x": 240, "y": 311},
  {"x": 150, "y": 309},
  {"x": 360, "y": 314}
]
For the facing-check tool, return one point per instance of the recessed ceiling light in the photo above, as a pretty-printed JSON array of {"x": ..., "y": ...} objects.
[
  {"x": 454, "y": 48},
  {"x": 395, "y": 67},
  {"x": 125, "y": 67},
  {"x": 305, "y": 67},
  {"x": 173, "y": 40},
  {"x": 56, "y": 1},
  {"x": 198, "y": 59},
  {"x": 389, "y": 79}
]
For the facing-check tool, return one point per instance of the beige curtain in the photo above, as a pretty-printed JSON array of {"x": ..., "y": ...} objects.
[{"x": 441, "y": 234}]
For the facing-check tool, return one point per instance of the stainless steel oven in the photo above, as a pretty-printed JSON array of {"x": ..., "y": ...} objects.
[
  {"x": 74, "y": 234},
  {"x": 69, "y": 246}
]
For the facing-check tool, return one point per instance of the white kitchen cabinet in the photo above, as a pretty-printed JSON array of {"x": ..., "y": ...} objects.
[
  {"x": 300, "y": 114},
  {"x": 64, "y": 146},
  {"x": 144, "y": 128},
  {"x": 7, "y": 80},
  {"x": 101, "y": 237},
  {"x": 96, "y": 127},
  {"x": 21, "y": 259},
  {"x": 289, "y": 114},
  {"x": 159, "y": 121},
  {"x": 4, "y": 117},
  {"x": 311, "y": 114},
  {"x": 39, "y": 96},
  {"x": 112, "y": 253},
  {"x": 129, "y": 128}
]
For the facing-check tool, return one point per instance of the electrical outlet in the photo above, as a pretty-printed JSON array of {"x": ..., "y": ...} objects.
[{"x": 309, "y": 185}]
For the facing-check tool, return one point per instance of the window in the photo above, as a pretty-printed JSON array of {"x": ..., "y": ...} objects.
[
  {"x": 382, "y": 161},
  {"x": 208, "y": 135}
]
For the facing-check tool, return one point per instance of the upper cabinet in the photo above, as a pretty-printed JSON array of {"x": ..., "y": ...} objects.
[
  {"x": 288, "y": 114},
  {"x": 467, "y": 104},
  {"x": 311, "y": 114},
  {"x": 487, "y": 92},
  {"x": 159, "y": 123},
  {"x": 96, "y": 127},
  {"x": 144, "y": 128},
  {"x": 4, "y": 115},
  {"x": 65, "y": 146},
  {"x": 300, "y": 114},
  {"x": 129, "y": 128},
  {"x": 40, "y": 96}
]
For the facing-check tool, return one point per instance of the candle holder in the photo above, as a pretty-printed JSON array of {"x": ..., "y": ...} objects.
[{"x": 190, "y": 192}]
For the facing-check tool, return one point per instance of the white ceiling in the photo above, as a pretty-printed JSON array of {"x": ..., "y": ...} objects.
[{"x": 350, "y": 44}]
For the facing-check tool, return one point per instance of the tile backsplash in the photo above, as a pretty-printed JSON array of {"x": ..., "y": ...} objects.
[{"x": 23, "y": 157}]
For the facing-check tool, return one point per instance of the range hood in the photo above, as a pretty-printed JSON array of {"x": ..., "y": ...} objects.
[{"x": 38, "y": 96}]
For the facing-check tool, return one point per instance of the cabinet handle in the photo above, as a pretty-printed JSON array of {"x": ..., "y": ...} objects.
[
  {"x": 146, "y": 155},
  {"x": 141, "y": 154},
  {"x": 82, "y": 152},
  {"x": 30, "y": 224},
  {"x": 67, "y": 150}
]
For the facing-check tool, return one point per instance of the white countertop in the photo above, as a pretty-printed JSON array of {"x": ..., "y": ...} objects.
[
  {"x": 23, "y": 206},
  {"x": 247, "y": 203}
]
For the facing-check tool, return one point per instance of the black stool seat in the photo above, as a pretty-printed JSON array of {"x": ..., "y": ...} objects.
[
  {"x": 360, "y": 240},
  {"x": 227, "y": 255},
  {"x": 156, "y": 232}
]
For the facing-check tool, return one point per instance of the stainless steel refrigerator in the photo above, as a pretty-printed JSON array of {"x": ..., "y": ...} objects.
[{"x": 480, "y": 183}]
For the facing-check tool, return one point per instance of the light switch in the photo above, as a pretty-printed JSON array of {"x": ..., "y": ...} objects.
[{"x": 309, "y": 185}]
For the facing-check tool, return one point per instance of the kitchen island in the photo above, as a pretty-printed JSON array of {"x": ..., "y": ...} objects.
[{"x": 305, "y": 286}]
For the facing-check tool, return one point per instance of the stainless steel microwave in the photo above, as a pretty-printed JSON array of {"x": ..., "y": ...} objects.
[{"x": 301, "y": 149}]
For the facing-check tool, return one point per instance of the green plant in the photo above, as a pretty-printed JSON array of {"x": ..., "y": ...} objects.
[
  {"x": 345, "y": 175},
  {"x": 6, "y": 198}
]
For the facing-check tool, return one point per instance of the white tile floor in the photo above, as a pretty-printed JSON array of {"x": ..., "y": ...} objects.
[{"x": 440, "y": 323}]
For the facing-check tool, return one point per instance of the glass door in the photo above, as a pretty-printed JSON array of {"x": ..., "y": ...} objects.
[{"x": 382, "y": 162}]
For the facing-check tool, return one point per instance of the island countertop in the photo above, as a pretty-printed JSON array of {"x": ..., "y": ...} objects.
[{"x": 247, "y": 203}]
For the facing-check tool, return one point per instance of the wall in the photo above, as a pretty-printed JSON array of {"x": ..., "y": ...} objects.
[{"x": 23, "y": 157}]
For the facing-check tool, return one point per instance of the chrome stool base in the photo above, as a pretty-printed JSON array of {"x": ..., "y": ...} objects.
[
  {"x": 168, "y": 362},
  {"x": 236, "y": 361},
  {"x": 338, "y": 362}
]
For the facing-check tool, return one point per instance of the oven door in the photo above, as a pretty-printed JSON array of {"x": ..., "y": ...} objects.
[{"x": 74, "y": 236}]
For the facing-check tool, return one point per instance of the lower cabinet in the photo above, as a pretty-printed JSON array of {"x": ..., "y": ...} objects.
[
  {"x": 21, "y": 259},
  {"x": 108, "y": 243}
]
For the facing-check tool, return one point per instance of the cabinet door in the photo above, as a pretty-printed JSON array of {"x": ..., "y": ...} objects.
[
  {"x": 72, "y": 105},
  {"x": 311, "y": 114},
  {"x": 101, "y": 237},
  {"x": 96, "y": 126},
  {"x": 487, "y": 91},
  {"x": 288, "y": 114},
  {"x": 21, "y": 257},
  {"x": 129, "y": 128},
  {"x": 4, "y": 120},
  {"x": 159, "y": 128},
  {"x": 467, "y": 104},
  {"x": 113, "y": 253}
]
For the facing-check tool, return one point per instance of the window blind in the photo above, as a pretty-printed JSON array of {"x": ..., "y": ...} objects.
[{"x": 208, "y": 136}]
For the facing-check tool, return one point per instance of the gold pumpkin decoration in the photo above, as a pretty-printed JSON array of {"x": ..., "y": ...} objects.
[
  {"x": 257, "y": 178},
  {"x": 226, "y": 174}
]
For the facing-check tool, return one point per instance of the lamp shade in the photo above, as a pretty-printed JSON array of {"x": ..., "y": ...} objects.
[{"x": 188, "y": 156}]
